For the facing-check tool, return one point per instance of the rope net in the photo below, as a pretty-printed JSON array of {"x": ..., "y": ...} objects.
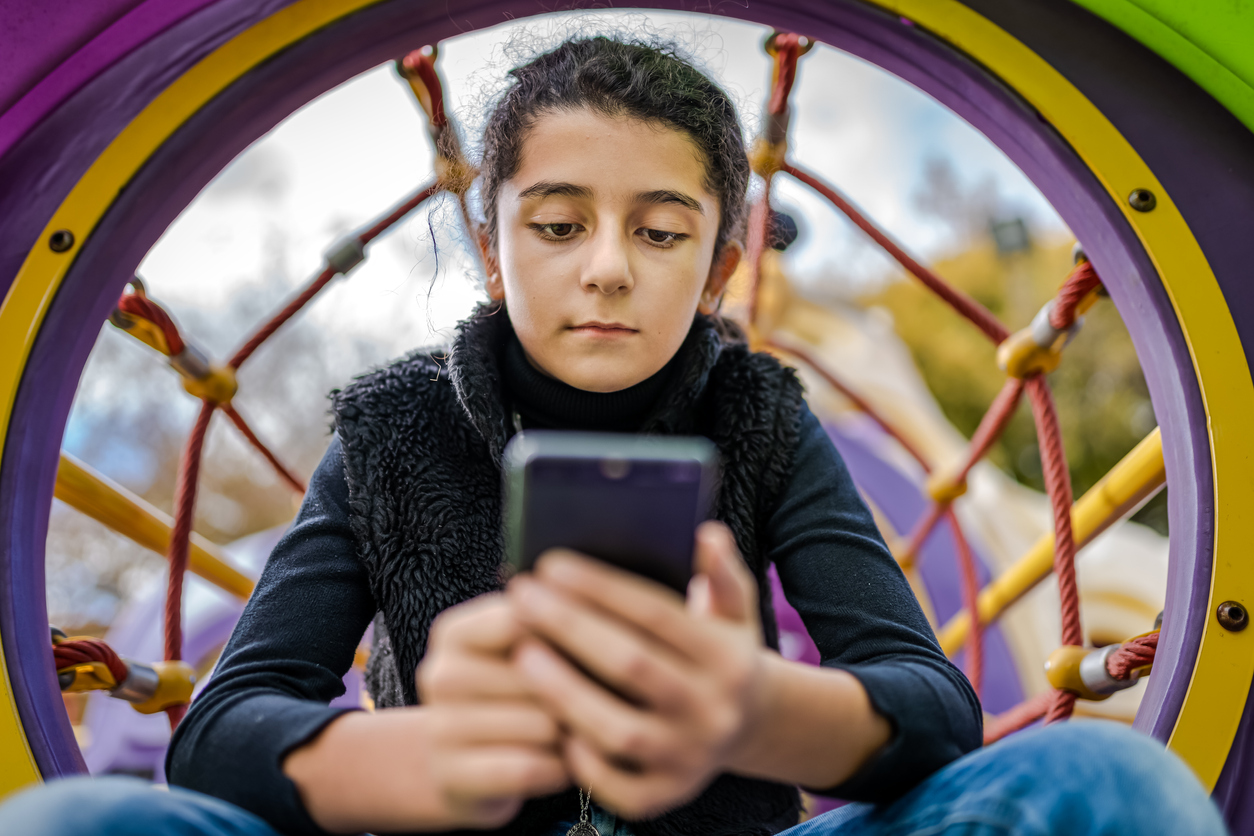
[{"x": 1026, "y": 356}]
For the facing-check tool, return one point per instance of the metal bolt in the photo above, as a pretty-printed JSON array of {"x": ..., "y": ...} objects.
[
  {"x": 1233, "y": 616},
  {"x": 61, "y": 240},
  {"x": 1142, "y": 200}
]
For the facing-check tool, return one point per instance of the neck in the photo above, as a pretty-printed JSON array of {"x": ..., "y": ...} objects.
[{"x": 547, "y": 403}]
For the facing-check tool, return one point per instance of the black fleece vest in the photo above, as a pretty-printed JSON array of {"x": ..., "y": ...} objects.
[{"x": 422, "y": 442}]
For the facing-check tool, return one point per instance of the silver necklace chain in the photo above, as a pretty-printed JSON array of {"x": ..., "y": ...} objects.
[{"x": 584, "y": 827}]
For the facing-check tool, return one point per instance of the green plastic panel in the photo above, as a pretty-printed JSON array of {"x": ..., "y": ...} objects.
[{"x": 1210, "y": 41}]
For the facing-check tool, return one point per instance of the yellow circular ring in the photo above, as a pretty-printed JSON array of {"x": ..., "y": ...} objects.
[{"x": 1225, "y": 663}]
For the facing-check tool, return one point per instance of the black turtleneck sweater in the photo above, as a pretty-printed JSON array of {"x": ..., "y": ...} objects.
[
  {"x": 285, "y": 660},
  {"x": 545, "y": 402}
]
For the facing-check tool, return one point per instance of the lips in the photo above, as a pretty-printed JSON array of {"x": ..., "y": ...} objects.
[{"x": 603, "y": 328}]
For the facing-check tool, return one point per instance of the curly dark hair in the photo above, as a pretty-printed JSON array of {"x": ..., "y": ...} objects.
[{"x": 616, "y": 78}]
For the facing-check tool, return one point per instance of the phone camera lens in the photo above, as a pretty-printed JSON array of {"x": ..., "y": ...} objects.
[{"x": 615, "y": 468}]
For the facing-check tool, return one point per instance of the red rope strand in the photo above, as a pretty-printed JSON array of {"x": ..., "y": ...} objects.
[
  {"x": 328, "y": 273},
  {"x": 140, "y": 306},
  {"x": 992, "y": 425},
  {"x": 860, "y": 403},
  {"x": 970, "y": 602},
  {"x": 1082, "y": 281},
  {"x": 180, "y": 539},
  {"x": 1058, "y": 486},
  {"x": 1132, "y": 654},
  {"x": 980, "y": 316},
  {"x": 1021, "y": 716},
  {"x": 246, "y": 431},
  {"x": 399, "y": 211},
  {"x": 84, "y": 651},
  {"x": 787, "y": 51}
]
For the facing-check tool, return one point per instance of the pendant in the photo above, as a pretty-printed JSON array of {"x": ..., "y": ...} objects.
[{"x": 583, "y": 827}]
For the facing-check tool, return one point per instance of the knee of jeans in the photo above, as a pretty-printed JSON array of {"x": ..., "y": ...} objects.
[
  {"x": 80, "y": 805},
  {"x": 1103, "y": 759}
]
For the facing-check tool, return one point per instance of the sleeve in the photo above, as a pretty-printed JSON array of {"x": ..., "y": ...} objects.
[
  {"x": 858, "y": 607},
  {"x": 283, "y": 664}
]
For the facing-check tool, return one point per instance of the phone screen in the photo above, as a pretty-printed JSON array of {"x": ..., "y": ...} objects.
[{"x": 632, "y": 502}]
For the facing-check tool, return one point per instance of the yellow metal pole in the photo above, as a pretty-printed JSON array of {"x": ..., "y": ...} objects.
[
  {"x": 104, "y": 500},
  {"x": 1136, "y": 478},
  {"x": 100, "y": 498}
]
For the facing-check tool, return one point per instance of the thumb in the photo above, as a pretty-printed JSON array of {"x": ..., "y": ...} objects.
[{"x": 731, "y": 591}]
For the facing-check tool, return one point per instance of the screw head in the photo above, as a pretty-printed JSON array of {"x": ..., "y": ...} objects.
[
  {"x": 1142, "y": 200},
  {"x": 1233, "y": 616},
  {"x": 61, "y": 240}
]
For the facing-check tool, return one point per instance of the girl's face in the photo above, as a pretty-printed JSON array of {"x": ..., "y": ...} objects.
[{"x": 605, "y": 247}]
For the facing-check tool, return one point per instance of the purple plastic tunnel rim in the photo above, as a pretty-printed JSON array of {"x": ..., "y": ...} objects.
[{"x": 267, "y": 94}]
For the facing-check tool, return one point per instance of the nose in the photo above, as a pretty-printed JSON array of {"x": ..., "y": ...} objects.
[{"x": 608, "y": 268}]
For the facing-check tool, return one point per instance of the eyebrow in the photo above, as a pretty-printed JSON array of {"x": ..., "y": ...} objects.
[
  {"x": 670, "y": 196},
  {"x": 547, "y": 188}
]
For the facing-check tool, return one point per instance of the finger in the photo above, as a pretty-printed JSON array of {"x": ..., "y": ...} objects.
[
  {"x": 618, "y": 729},
  {"x": 651, "y": 608},
  {"x": 733, "y": 591},
  {"x": 628, "y": 793},
  {"x": 610, "y": 650},
  {"x": 488, "y": 783},
  {"x": 495, "y": 724},
  {"x": 450, "y": 677},
  {"x": 484, "y": 624},
  {"x": 699, "y": 594}
]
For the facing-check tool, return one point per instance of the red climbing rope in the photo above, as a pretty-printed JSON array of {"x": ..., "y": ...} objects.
[
  {"x": 1021, "y": 716},
  {"x": 1132, "y": 655},
  {"x": 970, "y": 602},
  {"x": 85, "y": 651},
  {"x": 980, "y": 316},
  {"x": 328, "y": 273},
  {"x": 1058, "y": 486},
  {"x": 137, "y": 304},
  {"x": 1082, "y": 281},
  {"x": 180, "y": 542},
  {"x": 857, "y": 400},
  {"x": 247, "y": 432},
  {"x": 990, "y": 429}
]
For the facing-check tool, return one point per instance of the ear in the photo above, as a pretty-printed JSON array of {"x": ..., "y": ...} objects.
[
  {"x": 725, "y": 263},
  {"x": 491, "y": 265}
]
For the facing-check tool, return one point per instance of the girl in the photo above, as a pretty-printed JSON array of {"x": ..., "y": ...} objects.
[{"x": 613, "y": 188}]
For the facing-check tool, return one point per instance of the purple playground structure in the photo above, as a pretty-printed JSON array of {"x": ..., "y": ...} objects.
[{"x": 115, "y": 114}]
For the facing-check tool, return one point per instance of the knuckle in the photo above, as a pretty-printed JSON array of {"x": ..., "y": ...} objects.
[
  {"x": 636, "y": 667},
  {"x": 632, "y": 743},
  {"x": 432, "y": 677}
]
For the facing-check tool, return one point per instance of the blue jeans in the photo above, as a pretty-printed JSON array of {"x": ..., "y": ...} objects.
[{"x": 1081, "y": 778}]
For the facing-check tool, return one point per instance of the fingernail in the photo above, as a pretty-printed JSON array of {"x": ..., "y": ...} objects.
[{"x": 557, "y": 564}]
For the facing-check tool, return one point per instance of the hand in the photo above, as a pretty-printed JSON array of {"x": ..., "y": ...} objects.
[
  {"x": 673, "y": 685},
  {"x": 468, "y": 757}
]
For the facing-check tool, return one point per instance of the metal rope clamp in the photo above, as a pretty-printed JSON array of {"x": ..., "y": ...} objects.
[
  {"x": 1037, "y": 348},
  {"x": 1083, "y": 672}
]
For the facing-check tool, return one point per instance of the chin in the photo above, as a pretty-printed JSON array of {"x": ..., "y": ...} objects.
[{"x": 610, "y": 378}]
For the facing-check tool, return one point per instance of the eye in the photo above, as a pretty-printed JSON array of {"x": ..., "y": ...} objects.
[
  {"x": 662, "y": 238},
  {"x": 555, "y": 232}
]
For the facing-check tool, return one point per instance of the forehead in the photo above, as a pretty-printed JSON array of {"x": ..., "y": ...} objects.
[{"x": 612, "y": 155}]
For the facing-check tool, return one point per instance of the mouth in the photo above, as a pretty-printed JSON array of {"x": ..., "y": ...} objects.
[{"x": 606, "y": 329}]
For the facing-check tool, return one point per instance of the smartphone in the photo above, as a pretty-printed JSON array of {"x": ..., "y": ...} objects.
[{"x": 632, "y": 501}]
